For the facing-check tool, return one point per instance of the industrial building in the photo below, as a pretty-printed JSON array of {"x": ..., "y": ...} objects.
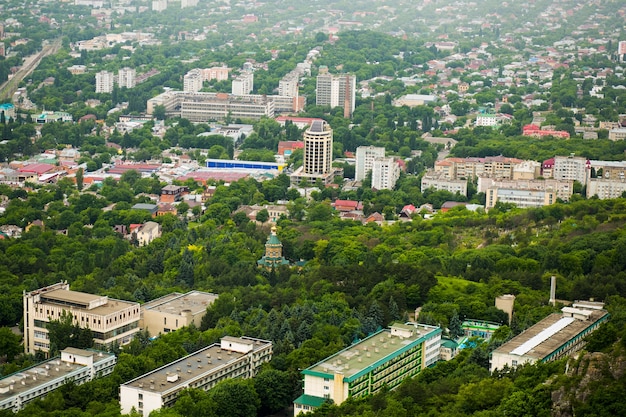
[
  {"x": 384, "y": 359},
  {"x": 554, "y": 337},
  {"x": 233, "y": 357}
]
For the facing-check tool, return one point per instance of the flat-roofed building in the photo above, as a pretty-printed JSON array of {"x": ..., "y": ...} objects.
[
  {"x": 111, "y": 321},
  {"x": 30, "y": 384},
  {"x": 384, "y": 359},
  {"x": 176, "y": 310},
  {"x": 233, "y": 357},
  {"x": 192, "y": 81},
  {"x": 243, "y": 84},
  {"x": 554, "y": 337},
  {"x": 522, "y": 198},
  {"x": 439, "y": 181},
  {"x": 385, "y": 173},
  {"x": 365, "y": 156}
]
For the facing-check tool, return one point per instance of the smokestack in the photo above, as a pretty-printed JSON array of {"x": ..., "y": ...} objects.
[{"x": 552, "y": 290}]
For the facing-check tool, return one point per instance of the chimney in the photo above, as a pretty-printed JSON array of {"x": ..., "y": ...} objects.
[{"x": 552, "y": 290}]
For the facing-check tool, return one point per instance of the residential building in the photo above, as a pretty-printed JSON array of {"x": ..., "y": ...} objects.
[
  {"x": 173, "y": 311},
  {"x": 159, "y": 5},
  {"x": 412, "y": 100},
  {"x": 233, "y": 357},
  {"x": 288, "y": 85},
  {"x": 273, "y": 257},
  {"x": 148, "y": 232},
  {"x": 243, "y": 84},
  {"x": 536, "y": 131},
  {"x": 215, "y": 73},
  {"x": 571, "y": 167},
  {"x": 522, "y": 198},
  {"x": 77, "y": 69},
  {"x": 382, "y": 360},
  {"x": 385, "y": 173},
  {"x": 192, "y": 81},
  {"x": 37, "y": 381},
  {"x": 554, "y": 337},
  {"x": 336, "y": 91},
  {"x": 318, "y": 154},
  {"x": 465, "y": 168},
  {"x": 617, "y": 134},
  {"x": 111, "y": 321},
  {"x": 172, "y": 193},
  {"x": 606, "y": 188},
  {"x": 563, "y": 188},
  {"x": 365, "y": 156},
  {"x": 126, "y": 77},
  {"x": 104, "y": 82},
  {"x": 441, "y": 182},
  {"x": 188, "y": 3}
]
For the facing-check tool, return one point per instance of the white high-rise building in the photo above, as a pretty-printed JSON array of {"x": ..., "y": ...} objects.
[
  {"x": 192, "y": 82},
  {"x": 288, "y": 85},
  {"x": 336, "y": 91},
  {"x": 104, "y": 82},
  {"x": 159, "y": 5},
  {"x": 365, "y": 156},
  {"x": 188, "y": 3},
  {"x": 385, "y": 173},
  {"x": 243, "y": 84},
  {"x": 318, "y": 155},
  {"x": 126, "y": 77}
]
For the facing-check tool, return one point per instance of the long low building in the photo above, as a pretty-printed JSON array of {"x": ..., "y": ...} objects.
[
  {"x": 384, "y": 359},
  {"x": 554, "y": 337},
  {"x": 173, "y": 311},
  {"x": 233, "y": 357},
  {"x": 76, "y": 365}
]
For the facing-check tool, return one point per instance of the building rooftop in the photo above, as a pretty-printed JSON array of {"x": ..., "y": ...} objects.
[
  {"x": 176, "y": 303},
  {"x": 96, "y": 304},
  {"x": 549, "y": 334},
  {"x": 380, "y": 347},
  {"x": 190, "y": 367},
  {"x": 44, "y": 372}
]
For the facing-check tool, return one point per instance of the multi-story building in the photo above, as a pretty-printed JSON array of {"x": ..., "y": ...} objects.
[
  {"x": 243, "y": 84},
  {"x": 188, "y": 3},
  {"x": 204, "y": 107},
  {"x": 288, "y": 85},
  {"x": 76, "y": 365},
  {"x": 147, "y": 232},
  {"x": 233, "y": 357},
  {"x": 173, "y": 311},
  {"x": 192, "y": 81},
  {"x": 318, "y": 154},
  {"x": 385, "y": 173},
  {"x": 554, "y": 337},
  {"x": 126, "y": 77},
  {"x": 537, "y": 132},
  {"x": 336, "y": 91},
  {"x": 110, "y": 321},
  {"x": 383, "y": 359},
  {"x": 563, "y": 188},
  {"x": 617, "y": 134},
  {"x": 571, "y": 167},
  {"x": 104, "y": 82},
  {"x": 522, "y": 198},
  {"x": 466, "y": 168},
  {"x": 365, "y": 156},
  {"x": 440, "y": 182},
  {"x": 159, "y": 5},
  {"x": 215, "y": 73}
]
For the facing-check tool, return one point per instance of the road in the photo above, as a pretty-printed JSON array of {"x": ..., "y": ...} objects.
[{"x": 30, "y": 63}]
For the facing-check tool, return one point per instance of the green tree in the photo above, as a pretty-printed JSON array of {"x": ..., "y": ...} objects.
[
  {"x": 235, "y": 398},
  {"x": 274, "y": 389},
  {"x": 10, "y": 345},
  {"x": 262, "y": 216},
  {"x": 64, "y": 333}
]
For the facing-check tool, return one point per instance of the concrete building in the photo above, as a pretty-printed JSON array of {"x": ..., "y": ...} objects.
[
  {"x": 188, "y": 3},
  {"x": 385, "y": 173},
  {"x": 318, "y": 154},
  {"x": 288, "y": 85},
  {"x": 440, "y": 182},
  {"x": 383, "y": 359},
  {"x": 336, "y": 91},
  {"x": 606, "y": 188},
  {"x": 465, "y": 168},
  {"x": 159, "y": 5},
  {"x": 365, "y": 156},
  {"x": 192, "y": 81},
  {"x": 522, "y": 198},
  {"x": 111, "y": 321},
  {"x": 571, "y": 167},
  {"x": 617, "y": 134},
  {"x": 104, "y": 82},
  {"x": 412, "y": 100},
  {"x": 552, "y": 338},
  {"x": 215, "y": 73},
  {"x": 243, "y": 84},
  {"x": 205, "y": 107},
  {"x": 563, "y": 188},
  {"x": 30, "y": 384},
  {"x": 233, "y": 357},
  {"x": 126, "y": 77},
  {"x": 173, "y": 311}
]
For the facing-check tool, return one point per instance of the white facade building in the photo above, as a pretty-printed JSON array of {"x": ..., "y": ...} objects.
[
  {"x": 159, "y": 5},
  {"x": 192, "y": 81},
  {"x": 337, "y": 91},
  {"x": 571, "y": 168},
  {"x": 520, "y": 197},
  {"x": 288, "y": 85},
  {"x": 126, "y": 77},
  {"x": 243, "y": 84},
  {"x": 76, "y": 365},
  {"x": 440, "y": 182},
  {"x": 233, "y": 357},
  {"x": 385, "y": 173},
  {"x": 365, "y": 156},
  {"x": 104, "y": 82}
]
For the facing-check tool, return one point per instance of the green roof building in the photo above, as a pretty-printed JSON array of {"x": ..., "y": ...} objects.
[{"x": 273, "y": 252}]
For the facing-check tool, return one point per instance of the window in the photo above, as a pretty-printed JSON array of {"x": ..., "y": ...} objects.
[
  {"x": 141, "y": 396},
  {"x": 514, "y": 363}
]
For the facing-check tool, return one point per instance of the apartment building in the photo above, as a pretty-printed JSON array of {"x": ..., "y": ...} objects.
[
  {"x": 365, "y": 156},
  {"x": 563, "y": 188},
  {"x": 288, "y": 85},
  {"x": 215, "y": 73},
  {"x": 336, "y": 91},
  {"x": 571, "y": 167},
  {"x": 243, "y": 84},
  {"x": 383, "y": 359},
  {"x": 192, "y": 81},
  {"x": 554, "y": 337},
  {"x": 104, "y": 82},
  {"x": 233, "y": 357},
  {"x": 318, "y": 155},
  {"x": 173, "y": 311},
  {"x": 37, "y": 381},
  {"x": 522, "y": 198},
  {"x": 385, "y": 173},
  {"x": 111, "y": 321},
  {"x": 441, "y": 182},
  {"x": 126, "y": 77}
]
